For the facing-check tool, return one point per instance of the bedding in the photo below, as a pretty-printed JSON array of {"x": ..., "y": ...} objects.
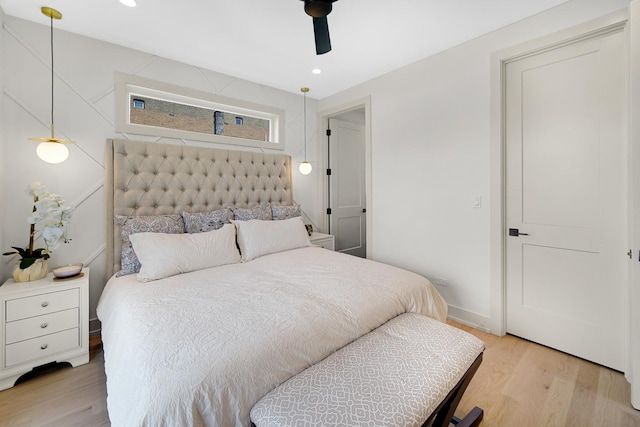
[
  {"x": 198, "y": 222},
  {"x": 139, "y": 224},
  {"x": 285, "y": 212},
  {"x": 201, "y": 348},
  {"x": 261, "y": 211},
  {"x": 163, "y": 255},
  {"x": 257, "y": 238}
]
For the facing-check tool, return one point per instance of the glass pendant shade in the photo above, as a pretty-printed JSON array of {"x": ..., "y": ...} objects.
[
  {"x": 305, "y": 168},
  {"x": 52, "y": 152}
]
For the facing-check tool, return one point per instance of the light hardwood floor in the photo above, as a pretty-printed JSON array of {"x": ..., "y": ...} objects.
[
  {"x": 523, "y": 384},
  {"x": 519, "y": 384},
  {"x": 62, "y": 397}
]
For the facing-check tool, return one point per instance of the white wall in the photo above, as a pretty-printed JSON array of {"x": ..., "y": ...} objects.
[
  {"x": 84, "y": 113},
  {"x": 430, "y": 125}
]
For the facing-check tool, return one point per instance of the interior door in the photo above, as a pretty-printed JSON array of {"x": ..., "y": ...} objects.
[
  {"x": 347, "y": 183},
  {"x": 566, "y": 198}
]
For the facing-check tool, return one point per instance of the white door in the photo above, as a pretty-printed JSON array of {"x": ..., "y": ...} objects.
[
  {"x": 347, "y": 184},
  {"x": 566, "y": 189}
]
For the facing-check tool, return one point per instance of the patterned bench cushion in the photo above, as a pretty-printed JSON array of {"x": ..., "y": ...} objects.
[{"x": 395, "y": 375}]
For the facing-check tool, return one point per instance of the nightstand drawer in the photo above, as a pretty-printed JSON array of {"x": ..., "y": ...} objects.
[
  {"x": 22, "y": 308},
  {"x": 33, "y": 327},
  {"x": 38, "y": 348},
  {"x": 324, "y": 243},
  {"x": 321, "y": 240}
]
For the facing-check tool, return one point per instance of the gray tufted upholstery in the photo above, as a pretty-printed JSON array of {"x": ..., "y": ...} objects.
[{"x": 147, "y": 178}]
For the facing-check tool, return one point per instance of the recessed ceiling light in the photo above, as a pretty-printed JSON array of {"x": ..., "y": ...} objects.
[
  {"x": 316, "y": 71},
  {"x": 130, "y": 3}
]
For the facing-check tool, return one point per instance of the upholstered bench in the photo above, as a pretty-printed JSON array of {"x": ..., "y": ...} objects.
[{"x": 411, "y": 371}]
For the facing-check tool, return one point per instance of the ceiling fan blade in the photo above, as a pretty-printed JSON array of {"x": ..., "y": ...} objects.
[{"x": 321, "y": 31}]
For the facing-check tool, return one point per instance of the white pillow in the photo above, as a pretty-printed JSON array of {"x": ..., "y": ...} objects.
[
  {"x": 257, "y": 238},
  {"x": 163, "y": 255}
]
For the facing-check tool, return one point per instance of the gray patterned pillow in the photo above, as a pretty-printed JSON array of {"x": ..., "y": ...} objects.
[
  {"x": 198, "y": 222},
  {"x": 129, "y": 263},
  {"x": 285, "y": 212},
  {"x": 262, "y": 212}
]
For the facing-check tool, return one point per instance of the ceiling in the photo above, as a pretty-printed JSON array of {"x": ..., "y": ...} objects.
[{"x": 271, "y": 41}]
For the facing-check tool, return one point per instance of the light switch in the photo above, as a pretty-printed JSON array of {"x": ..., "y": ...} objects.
[{"x": 476, "y": 202}]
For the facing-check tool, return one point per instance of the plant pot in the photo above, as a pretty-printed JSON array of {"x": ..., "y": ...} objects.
[{"x": 35, "y": 271}]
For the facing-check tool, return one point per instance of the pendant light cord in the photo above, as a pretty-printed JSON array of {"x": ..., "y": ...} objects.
[
  {"x": 51, "y": 18},
  {"x": 305, "y": 126}
]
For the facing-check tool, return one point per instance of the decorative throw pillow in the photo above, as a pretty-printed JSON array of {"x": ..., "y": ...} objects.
[
  {"x": 285, "y": 212},
  {"x": 261, "y": 211},
  {"x": 257, "y": 238},
  {"x": 129, "y": 263},
  {"x": 163, "y": 255},
  {"x": 198, "y": 222}
]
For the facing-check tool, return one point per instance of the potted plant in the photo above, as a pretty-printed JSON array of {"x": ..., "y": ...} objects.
[{"x": 50, "y": 220}]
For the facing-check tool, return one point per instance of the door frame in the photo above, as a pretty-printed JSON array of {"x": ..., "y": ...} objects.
[
  {"x": 497, "y": 163},
  {"x": 323, "y": 120},
  {"x": 633, "y": 365}
]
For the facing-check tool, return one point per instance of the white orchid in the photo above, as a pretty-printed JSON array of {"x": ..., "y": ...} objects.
[
  {"x": 36, "y": 189},
  {"x": 50, "y": 220}
]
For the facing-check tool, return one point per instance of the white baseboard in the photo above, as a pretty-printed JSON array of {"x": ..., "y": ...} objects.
[{"x": 469, "y": 318}]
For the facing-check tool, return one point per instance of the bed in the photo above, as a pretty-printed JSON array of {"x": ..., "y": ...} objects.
[{"x": 203, "y": 346}]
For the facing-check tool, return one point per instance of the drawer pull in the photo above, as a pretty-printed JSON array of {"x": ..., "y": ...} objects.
[
  {"x": 44, "y": 303},
  {"x": 44, "y": 346},
  {"x": 44, "y": 325}
]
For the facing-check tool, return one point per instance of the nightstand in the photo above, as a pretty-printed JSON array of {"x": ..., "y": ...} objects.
[
  {"x": 322, "y": 240},
  {"x": 43, "y": 321}
]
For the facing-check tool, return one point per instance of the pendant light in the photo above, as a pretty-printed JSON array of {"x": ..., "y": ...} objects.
[
  {"x": 305, "y": 167},
  {"x": 52, "y": 149}
]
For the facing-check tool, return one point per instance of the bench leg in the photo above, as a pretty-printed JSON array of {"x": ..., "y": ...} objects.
[
  {"x": 444, "y": 414},
  {"x": 472, "y": 419}
]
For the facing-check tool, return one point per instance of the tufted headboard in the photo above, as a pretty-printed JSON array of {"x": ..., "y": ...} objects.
[{"x": 150, "y": 178}]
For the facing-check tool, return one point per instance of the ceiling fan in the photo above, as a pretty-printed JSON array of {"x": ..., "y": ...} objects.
[{"x": 318, "y": 10}]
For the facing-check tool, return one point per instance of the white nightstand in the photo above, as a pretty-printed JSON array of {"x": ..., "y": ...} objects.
[
  {"x": 41, "y": 322},
  {"x": 326, "y": 241}
]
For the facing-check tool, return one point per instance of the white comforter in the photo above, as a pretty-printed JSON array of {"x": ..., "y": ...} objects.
[{"x": 202, "y": 348}]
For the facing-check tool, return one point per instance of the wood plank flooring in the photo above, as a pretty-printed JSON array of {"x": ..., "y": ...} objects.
[
  {"x": 63, "y": 397},
  {"x": 524, "y": 384},
  {"x": 519, "y": 384}
]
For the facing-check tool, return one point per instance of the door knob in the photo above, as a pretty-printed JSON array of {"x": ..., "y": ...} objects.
[{"x": 515, "y": 232}]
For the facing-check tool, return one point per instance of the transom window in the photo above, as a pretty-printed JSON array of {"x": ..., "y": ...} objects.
[{"x": 162, "y": 109}]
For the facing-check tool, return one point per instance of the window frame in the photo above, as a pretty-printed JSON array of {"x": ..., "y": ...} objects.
[{"x": 127, "y": 85}]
